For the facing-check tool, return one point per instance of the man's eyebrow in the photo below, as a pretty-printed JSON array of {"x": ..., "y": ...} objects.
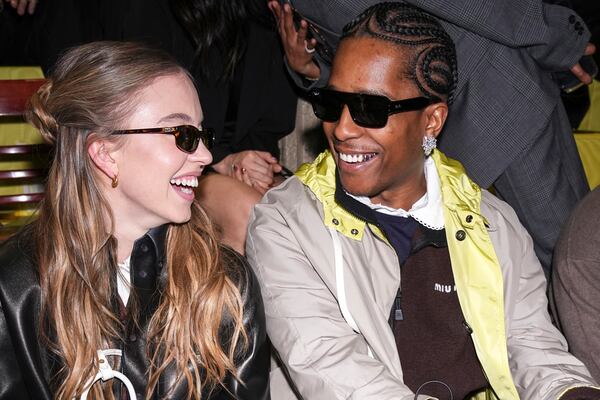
[
  {"x": 367, "y": 91},
  {"x": 176, "y": 116}
]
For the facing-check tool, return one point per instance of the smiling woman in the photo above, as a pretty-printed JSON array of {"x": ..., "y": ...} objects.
[
  {"x": 122, "y": 260},
  {"x": 146, "y": 163}
]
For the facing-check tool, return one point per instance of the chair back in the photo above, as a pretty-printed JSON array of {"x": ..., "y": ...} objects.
[
  {"x": 14, "y": 94},
  {"x": 23, "y": 167},
  {"x": 587, "y": 137}
]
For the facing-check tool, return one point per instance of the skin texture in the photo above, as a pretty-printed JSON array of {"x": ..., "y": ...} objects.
[
  {"x": 579, "y": 72},
  {"x": 146, "y": 163},
  {"x": 295, "y": 42},
  {"x": 23, "y": 5},
  {"x": 255, "y": 168},
  {"x": 394, "y": 176}
]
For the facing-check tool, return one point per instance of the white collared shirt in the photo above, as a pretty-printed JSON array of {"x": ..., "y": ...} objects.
[
  {"x": 427, "y": 210},
  {"x": 124, "y": 280}
]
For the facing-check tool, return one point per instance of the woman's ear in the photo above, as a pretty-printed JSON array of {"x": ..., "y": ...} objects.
[
  {"x": 100, "y": 151},
  {"x": 436, "y": 115}
]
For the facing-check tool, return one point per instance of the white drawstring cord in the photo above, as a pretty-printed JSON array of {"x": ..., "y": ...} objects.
[
  {"x": 105, "y": 373},
  {"x": 338, "y": 258}
]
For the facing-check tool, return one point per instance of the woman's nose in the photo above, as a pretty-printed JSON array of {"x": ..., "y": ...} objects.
[{"x": 201, "y": 155}]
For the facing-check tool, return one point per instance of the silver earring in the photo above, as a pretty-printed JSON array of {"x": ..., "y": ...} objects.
[{"x": 429, "y": 143}]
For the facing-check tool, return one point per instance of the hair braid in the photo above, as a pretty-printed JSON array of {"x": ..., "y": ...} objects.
[{"x": 432, "y": 57}]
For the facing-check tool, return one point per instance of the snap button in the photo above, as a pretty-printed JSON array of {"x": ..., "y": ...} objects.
[
  {"x": 469, "y": 218},
  {"x": 467, "y": 327},
  {"x": 578, "y": 25},
  {"x": 143, "y": 274},
  {"x": 460, "y": 235},
  {"x": 354, "y": 231},
  {"x": 144, "y": 247},
  {"x": 572, "y": 19},
  {"x": 335, "y": 221},
  {"x": 132, "y": 338}
]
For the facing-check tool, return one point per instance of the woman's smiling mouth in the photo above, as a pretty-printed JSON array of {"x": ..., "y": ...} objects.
[{"x": 184, "y": 186}]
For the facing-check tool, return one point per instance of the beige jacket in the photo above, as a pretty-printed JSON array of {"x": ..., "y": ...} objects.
[{"x": 329, "y": 280}]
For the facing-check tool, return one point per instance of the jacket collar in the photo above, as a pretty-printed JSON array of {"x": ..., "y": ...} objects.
[
  {"x": 158, "y": 236},
  {"x": 148, "y": 256},
  {"x": 425, "y": 237},
  {"x": 427, "y": 210},
  {"x": 459, "y": 193},
  {"x": 146, "y": 270}
]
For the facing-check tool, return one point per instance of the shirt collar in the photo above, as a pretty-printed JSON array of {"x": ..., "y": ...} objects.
[{"x": 427, "y": 210}]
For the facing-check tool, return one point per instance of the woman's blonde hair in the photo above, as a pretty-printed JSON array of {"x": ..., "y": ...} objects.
[{"x": 91, "y": 91}]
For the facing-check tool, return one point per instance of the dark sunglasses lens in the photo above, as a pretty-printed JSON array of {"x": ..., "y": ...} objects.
[
  {"x": 207, "y": 136},
  {"x": 368, "y": 110},
  {"x": 327, "y": 106},
  {"x": 186, "y": 138}
]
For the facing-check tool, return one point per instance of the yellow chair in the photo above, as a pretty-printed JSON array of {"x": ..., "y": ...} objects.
[
  {"x": 587, "y": 137},
  {"x": 23, "y": 162},
  {"x": 14, "y": 130},
  {"x": 591, "y": 122},
  {"x": 588, "y": 145}
]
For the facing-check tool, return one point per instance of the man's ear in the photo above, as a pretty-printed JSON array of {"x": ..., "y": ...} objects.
[
  {"x": 435, "y": 115},
  {"x": 100, "y": 151}
]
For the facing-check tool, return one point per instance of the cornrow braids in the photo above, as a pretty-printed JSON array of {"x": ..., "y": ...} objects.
[{"x": 432, "y": 56}]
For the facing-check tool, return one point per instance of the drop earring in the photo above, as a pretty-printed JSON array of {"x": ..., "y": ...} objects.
[
  {"x": 115, "y": 181},
  {"x": 429, "y": 143}
]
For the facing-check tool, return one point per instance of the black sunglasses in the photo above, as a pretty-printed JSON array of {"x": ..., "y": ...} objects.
[
  {"x": 187, "y": 137},
  {"x": 367, "y": 110}
]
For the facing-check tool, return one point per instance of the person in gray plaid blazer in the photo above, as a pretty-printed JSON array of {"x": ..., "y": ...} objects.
[{"x": 507, "y": 124}]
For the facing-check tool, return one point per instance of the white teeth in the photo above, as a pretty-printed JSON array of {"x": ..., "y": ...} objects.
[
  {"x": 356, "y": 158},
  {"x": 191, "y": 182}
]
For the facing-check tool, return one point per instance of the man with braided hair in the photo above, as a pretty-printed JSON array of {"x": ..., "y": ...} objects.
[
  {"x": 385, "y": 271},
  {"x": 507, "y": 125}
]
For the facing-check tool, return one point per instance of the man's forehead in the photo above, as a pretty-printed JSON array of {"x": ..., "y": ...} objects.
[{"x": 365, "y": 65}]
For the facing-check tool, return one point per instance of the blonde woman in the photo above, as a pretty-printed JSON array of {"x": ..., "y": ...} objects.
[{"x": 121, "y": 256}]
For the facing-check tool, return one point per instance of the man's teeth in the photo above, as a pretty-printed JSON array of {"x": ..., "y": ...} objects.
[
  {"x": 356, "y": 158},
  {"x": 190, "y": 182}
]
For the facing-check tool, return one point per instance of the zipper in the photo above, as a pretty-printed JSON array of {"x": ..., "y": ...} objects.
[{"x": 398, "y": 314}]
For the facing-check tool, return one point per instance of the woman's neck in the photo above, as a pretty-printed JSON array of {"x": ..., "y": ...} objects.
[
  {"x": 125, "y": 240},
  {"x": 124, "y": 249}
]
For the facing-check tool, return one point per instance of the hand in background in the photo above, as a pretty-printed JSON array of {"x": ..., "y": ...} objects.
[
  {"x": 298, "y": 49},
  {"x": 578, "y": 71},
  {"x": 22, "y": 5},
  {"x": 254, "y": 168}
]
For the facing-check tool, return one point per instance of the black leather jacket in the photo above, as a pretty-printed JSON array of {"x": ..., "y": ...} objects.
[{"x": 26, "y": 365}]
